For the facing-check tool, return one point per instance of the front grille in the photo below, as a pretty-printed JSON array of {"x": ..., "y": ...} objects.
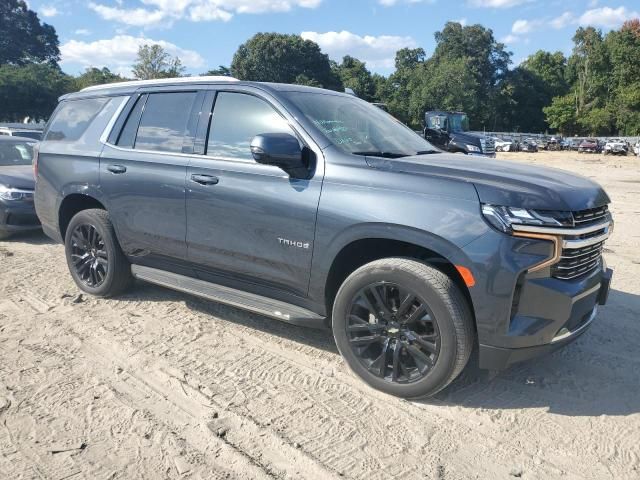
[
  {"x": 584, "y": 217},
  {"x": 577, "y": 262},
  {"x": 583, "y": 253},
  {"x": 488, "y": 146}
]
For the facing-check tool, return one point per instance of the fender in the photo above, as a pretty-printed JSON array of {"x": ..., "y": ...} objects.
[{"x": 324, "y": 256}]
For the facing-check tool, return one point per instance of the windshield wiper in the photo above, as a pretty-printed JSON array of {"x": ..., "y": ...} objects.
[
  {"x": 427, "y": 152},
  {"x": 382, "y": 154}
]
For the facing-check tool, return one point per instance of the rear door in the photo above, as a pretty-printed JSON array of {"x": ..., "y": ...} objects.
[
  {"x": 143, "y": 169},
  {"x": 250, "y": 225}
]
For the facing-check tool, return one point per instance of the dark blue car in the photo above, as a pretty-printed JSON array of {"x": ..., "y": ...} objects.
[{"x": 318, "y": 208}]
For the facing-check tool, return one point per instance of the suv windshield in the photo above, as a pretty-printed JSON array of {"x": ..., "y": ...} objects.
[
  {"x": 15, "y": 153},
  {"x": 357, "y": 127},
  {"x": 459, "y": 122}
]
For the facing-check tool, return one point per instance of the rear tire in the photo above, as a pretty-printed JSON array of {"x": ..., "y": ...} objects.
[
  {"x": 404, "y": 346},
  {"x": 94, "y": 257}
]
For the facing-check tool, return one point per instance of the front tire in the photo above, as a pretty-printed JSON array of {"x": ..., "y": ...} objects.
[
  {"x": 403, "y": 327},
  {"x": 94, "y": 256}
]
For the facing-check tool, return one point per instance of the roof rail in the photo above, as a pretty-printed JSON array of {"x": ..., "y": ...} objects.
[{"x": 161, "y": 81}]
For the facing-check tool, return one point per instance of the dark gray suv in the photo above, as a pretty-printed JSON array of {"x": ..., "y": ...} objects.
[{"x": 317, "y": 208}]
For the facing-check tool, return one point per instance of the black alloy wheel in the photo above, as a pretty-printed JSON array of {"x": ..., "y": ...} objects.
[
  {"x": 89, "y": 255},
  {"x": 393, "y": 332}
]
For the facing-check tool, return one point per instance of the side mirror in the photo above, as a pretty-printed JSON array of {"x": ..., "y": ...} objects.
[{"x": 281, "y": 150}]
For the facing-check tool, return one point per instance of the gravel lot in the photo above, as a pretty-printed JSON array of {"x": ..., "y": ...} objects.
[{"x": 157, "y": 384}]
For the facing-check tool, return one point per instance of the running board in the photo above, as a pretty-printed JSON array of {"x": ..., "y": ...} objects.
[{"x": 230, "y": 296}]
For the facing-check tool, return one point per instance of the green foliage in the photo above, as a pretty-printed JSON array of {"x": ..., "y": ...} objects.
[
  {"x": 603, "y": 75},
  {"x": 221, "y": 71},
  {"x": 561, "y": 114},
  {"x": 23, "y": 39},
  {"x": 96, "y": 76},
  {"x": 354, "y": 74},
  {"x": 154, "y": 62},
  {"x": 276, "y": 57},
  {"x": 31, "y": 90}
]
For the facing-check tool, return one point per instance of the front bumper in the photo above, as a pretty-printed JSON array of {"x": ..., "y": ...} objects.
[
  {"x": 521, "y": 313},
  {"x": 18, "y": 216},
  {"x": 498, "y": 358}
]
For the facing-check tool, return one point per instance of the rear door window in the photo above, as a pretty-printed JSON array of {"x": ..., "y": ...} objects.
[
  {"x": 164, "y": 121},
  {"x": 237, "y": 118},
  {"x": 72, "y": 118},
  {"x": 128, "y": 133}
]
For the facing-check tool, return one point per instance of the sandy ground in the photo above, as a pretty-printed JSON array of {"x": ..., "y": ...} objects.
[{"x": 156, "y": 384}]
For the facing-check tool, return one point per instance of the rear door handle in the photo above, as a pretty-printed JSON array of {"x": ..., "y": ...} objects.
[
  {"x": 205, "y": 179},
  {"x": 117, "y": 168}
]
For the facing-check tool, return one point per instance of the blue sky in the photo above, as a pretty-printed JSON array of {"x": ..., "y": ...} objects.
[{"x": 206, "y": 33}]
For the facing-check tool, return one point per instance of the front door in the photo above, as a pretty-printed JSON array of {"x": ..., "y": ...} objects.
[{"x": 249, "y": 224}]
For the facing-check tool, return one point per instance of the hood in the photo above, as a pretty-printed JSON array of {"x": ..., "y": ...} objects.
[
  {"x": 466, "y": 137},
  {"x": 17, "y": 176},
  {"x": 505, "y": 183}
]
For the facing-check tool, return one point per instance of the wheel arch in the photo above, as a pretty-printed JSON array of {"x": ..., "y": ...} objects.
[
  {"x": 382, "y": 241},
  {"x": 73, "y": 203}
]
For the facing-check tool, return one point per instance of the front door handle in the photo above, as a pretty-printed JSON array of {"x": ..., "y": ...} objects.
[
  {"x": 117, "y": 168},
  {"x": 205, "y": 179}
]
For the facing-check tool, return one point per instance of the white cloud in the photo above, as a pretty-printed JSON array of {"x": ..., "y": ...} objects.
[
  {"x": 120, "y": 52},
  {"x": 562, "y": 21},
  {"x": 496, "y": 3},
  {"x": 606, "y": 17},
  {"x": 522, "y": 26},
  {"x": 377, "y": 52},
  {"x": 82, "y": 31},
  {"x": 391, "y": 3},
  {"x": 48, "y": 11},
  {"x": 164, "y": 12}
]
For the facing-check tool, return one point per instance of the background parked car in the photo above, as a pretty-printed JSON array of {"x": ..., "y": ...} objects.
[
  {"x": 589, "y": 145},
  {"x": 529, "y": 145},
  {"x": 17, "y": 183},
  {"x": 616, "y": 146},
  {"x": 20, "y": 130},
  {"x": 505, "y": 145},
  {"x": 574, "y": 144}
]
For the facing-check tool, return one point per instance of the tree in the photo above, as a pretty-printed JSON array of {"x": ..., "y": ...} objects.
[
  {"x": 487, "y": 61},
  {"x": 398, "y": 88},
  {"x": 23, "y": 39},
  {"x": 561, "y": 114},
  {"x": 530, "y": 87},
  {"x": 96, "y": 76},
  {"x": 31, "y": 91},
  {"x": 276, "y": 57},
  {"x": 551, "y": 70},
  {"x": 221, "y": 71},
  {"x": 354, "y": 74},
  {"x": 154, "y": 62}
]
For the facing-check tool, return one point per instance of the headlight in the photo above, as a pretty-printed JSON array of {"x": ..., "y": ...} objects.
[
  {"x": 503, "y": 218},
  {"x": 473, "y": 148},
  {"x": 7, "y": 193}
]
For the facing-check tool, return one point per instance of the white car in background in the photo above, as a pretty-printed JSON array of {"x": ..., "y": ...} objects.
[
  {"x": 616, "y": 146},
  {"x": 505, "y": 145}
]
